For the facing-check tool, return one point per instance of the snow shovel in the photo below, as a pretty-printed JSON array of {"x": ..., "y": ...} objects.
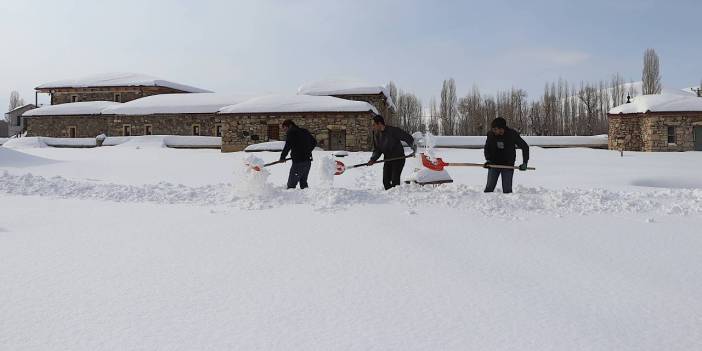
[
  {"x": 258, "y": 168},
  {"x": 439, "y": 164},
  {"x": 341, "y": 168}
]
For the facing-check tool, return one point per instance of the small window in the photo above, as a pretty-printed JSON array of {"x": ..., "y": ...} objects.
[
  {"x": 218, "y": 130},
  {"x": 71, "y": 132},
  {"x": 118, "y": 98},
  {"x": 74, "y": 98},
  {"x": 126, "y": 130},
  {"x": 147, "y": 130},
  {"x": 671, "y": 135},
  {"x": 273, "y": 132},
  {"x": 196, "y": 129}
]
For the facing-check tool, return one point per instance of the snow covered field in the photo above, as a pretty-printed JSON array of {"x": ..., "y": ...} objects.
[{"x": 133, "y": 247}]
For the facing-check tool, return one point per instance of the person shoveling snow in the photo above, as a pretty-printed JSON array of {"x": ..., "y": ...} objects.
[
  {"x": 500, "y": 150},
  {"x": 387, "y": 141},
  {"x": 300, "y": 143}
]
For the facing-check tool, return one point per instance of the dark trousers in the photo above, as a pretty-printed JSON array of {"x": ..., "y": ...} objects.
[
  {"x": 493, "y": 174},
  {"x": 391, "y": 173},
  {"x": 298, "y": 173}
]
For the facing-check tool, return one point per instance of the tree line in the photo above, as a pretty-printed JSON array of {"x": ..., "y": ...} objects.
[{"x": 564, "y": 108}]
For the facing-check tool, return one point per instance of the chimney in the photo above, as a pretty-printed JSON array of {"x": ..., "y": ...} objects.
[
  {"x": 628, "y": 98},
  {"x": 699, "y": 91}
]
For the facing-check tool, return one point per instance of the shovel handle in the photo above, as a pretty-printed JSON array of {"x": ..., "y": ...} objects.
[
  {"x": 381, "y": 161},
  {"x": 489, "y": 166},
  {"x": 277, "y": 162}
]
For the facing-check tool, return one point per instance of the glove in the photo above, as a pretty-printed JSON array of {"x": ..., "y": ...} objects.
[
  {"x": 486, "y": 165},
  {"x": 414, "y": 148},
  {"x": 282, "y": 160},
  {"x": 523, "y": 166},
  {"x": 371, "y": 162}
]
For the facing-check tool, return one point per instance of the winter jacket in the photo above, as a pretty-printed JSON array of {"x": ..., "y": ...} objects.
[
  {"x": 301, "y": 142},
  {"x": 500, "y": 149},
  {"x": 388, "y": 143}
]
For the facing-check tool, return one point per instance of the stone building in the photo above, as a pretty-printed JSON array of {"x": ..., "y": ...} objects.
[
  {"x": 667, "y": 122},
  {"x": 337, "y": 124},
  {"x": 118, "y": 87},
  {"x": 375, "y": 95},
  {"x": 15, "y": 124},
  {"x": 3, "y": 129}
]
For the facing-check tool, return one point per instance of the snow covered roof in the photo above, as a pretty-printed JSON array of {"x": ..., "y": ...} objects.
[
  {"x": 345, "y": 87},
  {"x": 298, "y": 103},
  {"x": 20, "y": 107},
  {"x": 660, "y": 103},
  {"x": 75, "y": 108},
  {"x": 176, "y": 103},
  {"x": 120, "y": 80}
]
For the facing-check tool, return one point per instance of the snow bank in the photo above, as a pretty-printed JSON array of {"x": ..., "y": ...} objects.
[
  {"x": 25, "y": 143},
  {"x": 12, "y": 158},
  {"x": 267, "y": 146},
  {"x": 326, "y": 169},
  {"x": 3, "y": 140},
  {"x": 74, "y": 108},
  {"x": 298, "y": 103},
  {"x": 120, "y": 80},
  {"x": 176, "y": 103},
  {"x": 148, "y": 141},
  {"x": 660, "y": 103},
  {"x": 251, "y": 183},
  {"x": 345, "y": 87}
]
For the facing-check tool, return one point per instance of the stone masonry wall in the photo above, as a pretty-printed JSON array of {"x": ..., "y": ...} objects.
[
  {"x": 655, "y": 131},
  {"x": 162, "y": 124},
  {"x": 64, "y": 95},
  {"x": 241, "y": 130},
  {"x": 58, "y": 126},
  {"x": 625, "y": 132}
]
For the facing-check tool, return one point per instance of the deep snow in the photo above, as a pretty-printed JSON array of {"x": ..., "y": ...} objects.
[{"x": 118, "y": 248}]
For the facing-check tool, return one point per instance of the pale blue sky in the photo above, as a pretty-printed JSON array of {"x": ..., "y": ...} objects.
[{"x": 274, "y": 46}]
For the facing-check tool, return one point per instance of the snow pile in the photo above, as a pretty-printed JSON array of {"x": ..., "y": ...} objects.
[
  {"x": 144, "y": 142},
  {"x": 345, "y": 87},
  {"x": 74, "y": 108},
  {"x": 326, "y": 169},
  {"x": 120, "y": 80},
  {"x": 186, "y": 141},
  {"x": 176, "y": 103},
  {"x": 660, "y": 103},
  {"x": 251, "y": 184},
  {"x": 424, "y": 176},
  {"x": 25, "y": 143},
  {"x": 298, "y": 104},
  {"x": 12, "y": 158},
  {"x": 3, "y": 140},
  {"x": 267, "y": 146}
]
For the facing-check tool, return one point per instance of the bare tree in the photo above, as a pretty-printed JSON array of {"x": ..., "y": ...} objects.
[
  {"x": 409, "y": 112},
  {"x": 617, "y": 93},
  {"x": 392, "y": 90},
  {"x": 448, "y": 107},
  {"x": 15, "y": 100},
  {"x": 651, "y": 75},
  {"x": 433, "y": 125}
]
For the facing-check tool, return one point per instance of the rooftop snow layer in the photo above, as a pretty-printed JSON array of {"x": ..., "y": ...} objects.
[
  {"x": 176, "y": 103},
  {"x": 298, "y": 103},
  {"x": 660, "y": 103},
  {"x": 120, "y": 80},
  {"x": 20, "y": 107},
  {"x": 344, "y": 87},
  {"x": 74, "y": 108}
]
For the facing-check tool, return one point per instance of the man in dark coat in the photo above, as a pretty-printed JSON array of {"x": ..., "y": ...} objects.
[
  {"x": 301, "y": 142},
  {"x": 387, "y": 141},
  {"x": 500, "y": 150}
]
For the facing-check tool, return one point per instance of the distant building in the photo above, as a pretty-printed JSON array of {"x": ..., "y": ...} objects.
[
  {"x": 118, "y": 87},
  {"x": 664, "y": 122},
  {"x": 15, "y": 124}
]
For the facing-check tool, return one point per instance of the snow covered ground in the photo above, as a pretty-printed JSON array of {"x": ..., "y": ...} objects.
[{"x": 139, "y": 247}]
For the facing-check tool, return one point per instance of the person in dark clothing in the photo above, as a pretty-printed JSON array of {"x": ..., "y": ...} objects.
[
  {"x": 299, "y": 142},
  {"x": 500, "y": 150},
  {"x": 387, "y": 141}
]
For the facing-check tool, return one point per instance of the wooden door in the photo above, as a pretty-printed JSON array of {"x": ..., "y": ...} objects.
[
  {"x": 698, "y": 138},
  {"x": 273, "y": 132}
]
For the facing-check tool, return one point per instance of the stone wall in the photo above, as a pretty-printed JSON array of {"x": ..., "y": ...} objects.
[
  {"x": 379, "y": 101},
  {"x": 649, "y": 132},
  {"x": 625, "y": 132},
  {"x": 64, "y": 95},
  {"x": 163, "y": 124},
  {"x": 58, "y": 126},
  {"x": 241, "y": 130}
]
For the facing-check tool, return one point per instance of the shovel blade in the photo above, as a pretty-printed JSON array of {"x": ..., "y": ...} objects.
[
  {"x": 340, "y": 168},
  {"x": 436, "y": 165}
]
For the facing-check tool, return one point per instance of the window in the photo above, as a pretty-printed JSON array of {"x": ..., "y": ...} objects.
[
  {"x": 118, "y": 98},
  {"x": 126, "y": 130},
  {"x": 196, "y": 129},
  {"x": 147, "y": 130},
  {"x": 671, "y": 135},
  {"x": 74, "y": 98},
  {"x": 273, "y": 132},
  {"x": 71, "y": 132},
  {"x": 218, "y": 130},
  {"x": 19, "y": 121}
]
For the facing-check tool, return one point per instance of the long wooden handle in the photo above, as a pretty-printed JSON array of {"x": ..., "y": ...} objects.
[
  {"x": 388, "y": 160},
  {"x": 277, "y": 162},
  {"x": 489, "y": 166}
]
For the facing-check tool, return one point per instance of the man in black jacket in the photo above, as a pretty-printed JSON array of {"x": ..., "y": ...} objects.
[
  {"x": 387, "y": 141},
  {"x": 500, "y": 150},
  {"x": 301, "y": 142}
]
